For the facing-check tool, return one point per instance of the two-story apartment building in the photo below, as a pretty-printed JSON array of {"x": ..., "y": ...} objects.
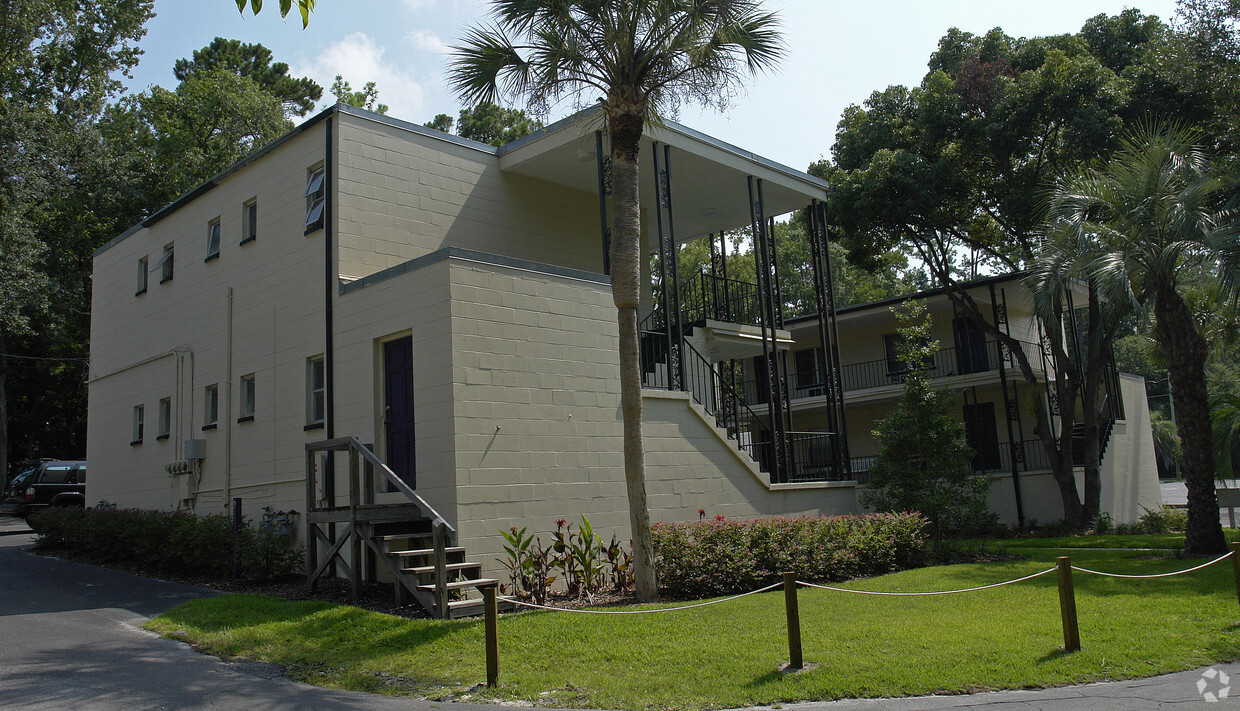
[{"x": 447, "y": 304}]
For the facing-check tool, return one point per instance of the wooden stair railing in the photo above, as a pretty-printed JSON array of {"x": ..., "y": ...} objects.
[{"x": 430, "y": 582}]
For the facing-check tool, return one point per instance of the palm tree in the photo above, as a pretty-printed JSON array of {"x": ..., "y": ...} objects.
[
  {"x": 1151, "y": 214},
  {"x": 644, "y": 57}
]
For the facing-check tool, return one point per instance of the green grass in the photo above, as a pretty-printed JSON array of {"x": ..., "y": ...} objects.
[{"x": 727, "y": 655}]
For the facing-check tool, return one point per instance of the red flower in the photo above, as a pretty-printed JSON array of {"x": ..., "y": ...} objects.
[
  {"x": 560, "y": 524},
  {"x": 718, "y": 517}
]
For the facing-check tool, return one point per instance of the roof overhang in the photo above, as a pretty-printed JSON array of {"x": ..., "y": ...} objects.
[{"x": 709, "y": 178}]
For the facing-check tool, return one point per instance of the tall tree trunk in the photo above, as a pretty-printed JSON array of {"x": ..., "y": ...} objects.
[
  {"x": 1185, "y": 352},
  {"x": 1092, "y": 413},
  {"x": 625, "y": 132}
]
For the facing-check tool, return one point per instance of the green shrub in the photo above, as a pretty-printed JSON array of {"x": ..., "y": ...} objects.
[
  {"x": 1163, "y": 519},
  {"x": 160, "y": 542},
  {"x": 703, "y": 558}
]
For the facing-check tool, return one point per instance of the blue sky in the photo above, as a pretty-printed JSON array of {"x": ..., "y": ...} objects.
[{"x": 838, "y": 53}]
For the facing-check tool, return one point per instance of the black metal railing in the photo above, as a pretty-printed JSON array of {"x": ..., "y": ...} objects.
[
  {"x": 1030, "y": 457},
  {"x": 707, "y": 296},
  {"x": 944, "y": 363}
]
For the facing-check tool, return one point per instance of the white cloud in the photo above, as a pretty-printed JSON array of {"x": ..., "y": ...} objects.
[
  {"x": 417, "y": 5},
  {"x": 428, "y": 41},
  {"x": 360, "y": 59}
]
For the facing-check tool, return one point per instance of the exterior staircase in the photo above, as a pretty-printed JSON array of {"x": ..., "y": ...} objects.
[
  {"x": 411, "y": 542},
  {"x": 410, "y": 551}
]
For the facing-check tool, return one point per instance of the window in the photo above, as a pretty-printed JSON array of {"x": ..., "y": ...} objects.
[
  {"x": 316, "y": 192},
  {"x": 165, "y": 265},
  {"x": 809, "y": 373},
  {"x": 247, "y": 398},
  {"x": 213, "y": 240},
  {"x": 137, "y": 425},
  {"x": 316, "y": 403},
  {"x": 210, "y": 406},
  {"x": 249, "y": 221},
  {"x": 165, "y": 418},
  {"x": 142, "y": 272}
]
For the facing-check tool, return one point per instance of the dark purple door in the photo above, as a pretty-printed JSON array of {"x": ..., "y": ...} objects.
[{"x": 398, "y": 407}]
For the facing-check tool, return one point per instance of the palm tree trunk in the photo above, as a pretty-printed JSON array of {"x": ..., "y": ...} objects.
[
  {"x": 4, "y": 411},
  {"x": 1185, "y": 352},
  {"x": 625, "y": 131}
]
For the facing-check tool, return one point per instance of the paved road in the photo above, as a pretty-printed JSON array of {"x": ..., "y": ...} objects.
[{"x": 71, "y": 638}]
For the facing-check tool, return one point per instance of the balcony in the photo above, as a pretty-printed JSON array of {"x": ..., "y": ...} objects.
[
  {"x": 1030, "y": 457},
  {"x": 945, "y": 363}
]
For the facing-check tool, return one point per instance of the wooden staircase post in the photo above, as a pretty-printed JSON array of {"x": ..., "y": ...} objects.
[{"x": 439, "y": 542}]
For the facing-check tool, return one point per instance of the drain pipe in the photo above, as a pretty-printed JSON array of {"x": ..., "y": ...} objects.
[{"x": 228, "y": 410}]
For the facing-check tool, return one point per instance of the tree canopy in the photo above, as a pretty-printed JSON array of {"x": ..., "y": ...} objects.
[
  {"x": 367, "y": 98},
  {"x": 298, "y": 94}
]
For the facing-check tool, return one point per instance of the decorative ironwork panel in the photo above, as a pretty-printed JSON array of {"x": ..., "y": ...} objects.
[
  {"x": 1013, "y": 411},
  {"x": 1053, "y": 402},
  {"x": 1001, "y": 314},
  {"x": 1018, "y": 452},
  {"x": 665, "y": 198},
  {"x": 673, "y": 364},
  {"x": 607, "y": 175}
]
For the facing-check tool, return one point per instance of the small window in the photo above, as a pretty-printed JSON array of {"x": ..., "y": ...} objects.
[
  {"x": 137, "y": 425},
  {"x": 165, "y": 418},
  {"x": 143, "y": 269},
  {"x": 247, "y": 398},
  {"x": 316, "y": 192},
  {"x": 315, "y": 391},
  {"x": 213, "y": 240},
  {"x": 164, "y": 265},
  {"x": 249, "y": 221},
  {"x": 210, "y": 406}
]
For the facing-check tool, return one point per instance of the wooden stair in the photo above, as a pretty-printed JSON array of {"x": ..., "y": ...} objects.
[{"x": 409, "y": 549}]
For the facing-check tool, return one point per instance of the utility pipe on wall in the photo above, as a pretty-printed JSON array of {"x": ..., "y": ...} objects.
[{"x": 228, "y": 416}]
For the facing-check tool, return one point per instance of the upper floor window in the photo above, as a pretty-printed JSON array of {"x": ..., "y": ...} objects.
[
  {"x": 316, "y": 403},
  {"x": 213, "y": 240},
  {"x": 165, "y": 418},
  {"x": 143, "y": 269},
  {"x": 249, "y": 221},
  {"x": 809, "y": 371},
  {"x": 316, "y": 194},
  {"x": 210, "y": 406},
  {"x": 165, "y": 264},
  {"x": 247, "y": 398}
]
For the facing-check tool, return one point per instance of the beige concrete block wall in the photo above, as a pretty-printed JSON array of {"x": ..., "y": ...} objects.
[
  {"x": 415, "y": 304},
  {"x": 405, "y": 194},
  {"x": 277, "y": 322},
  {"x": 1129, "y": 473}
]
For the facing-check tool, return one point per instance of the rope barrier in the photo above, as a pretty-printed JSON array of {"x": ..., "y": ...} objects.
[
  {"x": 1157, "y": 575},
  {"x": 936, "y": 592},
  {"x": 514, "y": 601}
]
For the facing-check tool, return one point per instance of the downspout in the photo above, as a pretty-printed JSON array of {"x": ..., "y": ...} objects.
[
  {"x": 329, "y": 279},
  {"x": 228, "y": 409}
]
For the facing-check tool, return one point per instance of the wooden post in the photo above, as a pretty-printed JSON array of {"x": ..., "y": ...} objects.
[
  {"x": 491, "y": 612},
  {"x": 439, "y": 540},
  {"x": 312, "y": 559},
  {"x": 794, "y": 621},
  {"x": 355, "y": 543},
  {"x": 1235, "y": 566},
  {"x": 1067, "y": 605}
]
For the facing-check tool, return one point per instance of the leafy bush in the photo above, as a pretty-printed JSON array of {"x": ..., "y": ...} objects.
[
  {"x": 1164, "y": 519},
  {"x": 166, "y": 542},
  {"x": 703, "y": 558},
  {"x": 580, "y": 558}
]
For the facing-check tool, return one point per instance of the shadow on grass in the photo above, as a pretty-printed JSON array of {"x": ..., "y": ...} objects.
[{"x": 1053, "y": 655}]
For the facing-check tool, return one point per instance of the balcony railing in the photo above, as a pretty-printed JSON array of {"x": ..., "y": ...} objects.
[
  {"x": 878, "y": 373},
  {"x": 1031, "y": 457},
  {"x": 707, "y": 296}
]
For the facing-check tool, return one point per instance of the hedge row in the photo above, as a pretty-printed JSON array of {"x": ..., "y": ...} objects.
[
  {"x": 705, "y": 558},
  {"x": 164, "y": 542}
]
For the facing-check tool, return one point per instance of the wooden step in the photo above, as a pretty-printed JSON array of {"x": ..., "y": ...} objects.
[
  {"x": 450, "y": 567},
  {"x": 473, "y": 607},
  {"x": 415, "y": 552},
  {"x": 459, "y": 584}
]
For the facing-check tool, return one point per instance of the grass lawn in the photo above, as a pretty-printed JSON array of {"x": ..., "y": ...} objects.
[{"x": 727, "y": 655}]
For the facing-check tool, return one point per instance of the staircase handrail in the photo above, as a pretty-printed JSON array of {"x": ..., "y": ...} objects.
[
  {"x": 353, "y": 443},
  {"x": 727, "y": 391}
]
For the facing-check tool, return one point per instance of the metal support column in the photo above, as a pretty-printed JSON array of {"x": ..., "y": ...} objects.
[
  {"x": 667, "y": 274},
  {"x": 1001, "y": 320},
  {"x": 604, "y": 189},
  {"x": 766, "y": 298},
  {"x": 828, "y": 340}
]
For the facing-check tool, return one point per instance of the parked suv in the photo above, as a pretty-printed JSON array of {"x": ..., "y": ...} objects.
[{"x": 56, "y": 483}]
